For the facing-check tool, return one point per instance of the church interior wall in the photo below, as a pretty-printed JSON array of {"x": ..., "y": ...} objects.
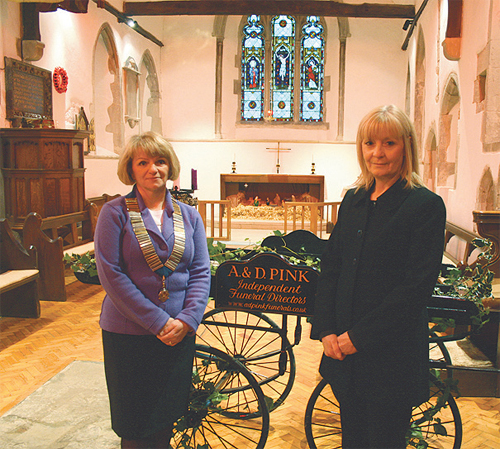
[
  {"x": 376, "y": 68},
  {"x": 461, "y": 191},
  {"x": 376, "y": 73}
]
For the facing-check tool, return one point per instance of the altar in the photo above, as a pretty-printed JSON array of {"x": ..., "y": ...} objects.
[{"x": 267, "y": 187}]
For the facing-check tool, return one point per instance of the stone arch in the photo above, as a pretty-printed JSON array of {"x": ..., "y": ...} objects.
[
  {"x": 408, "y": 92},
  {"x": 149, "y": 95},
  {"x": 107, "y": 107},
  {"x": 419, "y": 107},
  {"x": 448, "y": 132},
  {"x": 486, "y": 194},
  {"x": 430, "y": 160}
]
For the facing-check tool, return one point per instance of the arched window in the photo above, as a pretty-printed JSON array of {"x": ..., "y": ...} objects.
[
  {"x": 282, "y": 90},
  {"x": 252, "y": 70},
  {"x": 283, "y": 51},
  {"x": 312, "y": 71}
]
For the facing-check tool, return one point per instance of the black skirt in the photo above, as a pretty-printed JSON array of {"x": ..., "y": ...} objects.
[{"x": 148, "y": 382}]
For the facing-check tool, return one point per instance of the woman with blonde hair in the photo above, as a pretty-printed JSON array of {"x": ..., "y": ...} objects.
[
  {"x": 377, "y": 273},
  {"x": 152, "y": 259}
]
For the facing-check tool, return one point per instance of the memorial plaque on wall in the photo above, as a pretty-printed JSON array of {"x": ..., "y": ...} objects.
[
  {"x": 28, "y": 91},
  {"x": 266, "y": 283}
]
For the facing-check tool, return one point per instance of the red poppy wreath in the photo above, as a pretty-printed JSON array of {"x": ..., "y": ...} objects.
[{"x": 60, "y": 79}]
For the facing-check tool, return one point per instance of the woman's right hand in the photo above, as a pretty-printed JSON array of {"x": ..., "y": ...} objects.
[
  {"x": 173, "y": 332},
  {"x": 331, "y": 347}
]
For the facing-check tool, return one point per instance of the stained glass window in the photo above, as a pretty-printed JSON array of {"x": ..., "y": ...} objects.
[
  {"x": 283, "y": 51},
  {"x": 272, "y": 88},
  {"x": 312, "y": 71},
  {"x": 252, "y": 70}
]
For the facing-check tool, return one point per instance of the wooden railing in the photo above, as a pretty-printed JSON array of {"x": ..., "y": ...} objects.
[
  {"x": 323, "y": 216},
  {"x": 461, "y": 247},
  {"x": 220, "y": 222}
]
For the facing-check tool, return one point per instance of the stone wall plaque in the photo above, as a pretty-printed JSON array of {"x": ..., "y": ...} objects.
[
  {"x": 266, "y": 283},
  {"x": 28, "y": 91}
]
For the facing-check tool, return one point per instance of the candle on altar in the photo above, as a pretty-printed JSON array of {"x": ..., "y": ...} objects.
[{"x": 194, "y": 179}]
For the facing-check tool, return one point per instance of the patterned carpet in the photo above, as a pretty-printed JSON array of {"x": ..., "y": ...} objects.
[{"x": 71, "y": 411}]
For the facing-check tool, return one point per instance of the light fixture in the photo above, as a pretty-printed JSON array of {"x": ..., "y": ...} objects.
[{"x": 123, "y": 18}]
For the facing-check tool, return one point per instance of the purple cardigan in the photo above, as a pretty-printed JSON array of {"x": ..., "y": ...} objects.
[{"x": 131, "y": 304}]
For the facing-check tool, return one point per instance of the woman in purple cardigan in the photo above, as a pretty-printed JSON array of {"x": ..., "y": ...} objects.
[{"x": 153, "y": 263}]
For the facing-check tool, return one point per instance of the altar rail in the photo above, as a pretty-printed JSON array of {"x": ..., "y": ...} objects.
[
  {"x": 223, "y": 221},
  {"x": 323, "y": 216}
]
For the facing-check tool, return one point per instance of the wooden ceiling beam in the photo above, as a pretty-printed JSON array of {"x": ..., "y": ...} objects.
[{"x": 268, "y": 7}]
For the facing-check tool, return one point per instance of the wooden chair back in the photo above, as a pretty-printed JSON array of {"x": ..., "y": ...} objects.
[
  {"x": 323, "y": 216},
  {"x": 217, "y": 225}
]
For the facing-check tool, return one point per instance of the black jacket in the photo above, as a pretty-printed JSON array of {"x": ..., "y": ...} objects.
[{"x": 377, "y": 273}]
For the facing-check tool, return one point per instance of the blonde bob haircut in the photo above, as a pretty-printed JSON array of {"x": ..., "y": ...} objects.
[
  {"x": 393, "y": 121},
  {"x": 153, "y": 145}
]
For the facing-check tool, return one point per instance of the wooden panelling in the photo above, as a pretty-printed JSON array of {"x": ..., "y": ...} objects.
[{"x": 43, "y": 171}]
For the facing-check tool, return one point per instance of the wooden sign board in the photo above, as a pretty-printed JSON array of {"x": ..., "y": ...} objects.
[
  {"x": 28, "y": 91},
  {"x": 266, "y": 283}
]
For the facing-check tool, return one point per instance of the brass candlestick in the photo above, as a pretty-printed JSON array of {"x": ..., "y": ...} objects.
[
  {"x": 313, "y": 168},
  {"x": 233, "y": 167}
]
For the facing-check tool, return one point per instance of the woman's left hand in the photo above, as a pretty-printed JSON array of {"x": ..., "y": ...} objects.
[
  {"x": 346, "y": 345},
  {"x": 173, "y": 332}
]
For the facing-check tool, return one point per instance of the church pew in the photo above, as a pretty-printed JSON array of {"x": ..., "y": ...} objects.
[
  {"x": 77, "y": 237},
  {"x": 99, "y": 201},
  {"x": 18, "y": 277}
]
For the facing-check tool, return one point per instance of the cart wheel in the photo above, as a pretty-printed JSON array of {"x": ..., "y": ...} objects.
[
  {"x": 221, "y": 413},
  {"x": 256, "y": 341},
  {"x": 444, "y": 431},
  {"x": 437, "y": 349},
  {"x": 322, "y": 420}
]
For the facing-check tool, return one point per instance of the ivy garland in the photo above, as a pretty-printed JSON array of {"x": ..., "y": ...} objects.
[{"x": 60, "y": 80}]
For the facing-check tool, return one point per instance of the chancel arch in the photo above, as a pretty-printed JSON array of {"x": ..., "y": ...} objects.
[
  {"x": 149, "y": 95},
  {"x": 107, "y": 104},
  {"x": 448, "y": 133}
]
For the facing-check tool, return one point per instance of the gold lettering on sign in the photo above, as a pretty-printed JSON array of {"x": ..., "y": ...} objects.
[
  {"x": 28, "y": 98},
  {"x": 273, "y": 274},
  {"x": 269, "y": 284}
]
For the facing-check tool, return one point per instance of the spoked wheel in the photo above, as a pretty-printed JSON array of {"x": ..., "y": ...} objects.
[
  {"x": 437, "y": 422},
  {"x": 438, "y": 352},
  {"x": 227, "y": 408},
  {"x": 322, "y": 420},
  {"x": 255, "y": 340}
]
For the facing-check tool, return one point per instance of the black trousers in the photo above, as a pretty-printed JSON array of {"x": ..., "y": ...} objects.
[{"x": 373, "y": 424}]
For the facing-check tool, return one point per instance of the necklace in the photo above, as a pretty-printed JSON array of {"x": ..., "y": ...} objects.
[{"x": 147, "y": 248}]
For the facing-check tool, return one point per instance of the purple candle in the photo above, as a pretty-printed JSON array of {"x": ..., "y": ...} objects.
[{"x": 194, "y": 179}]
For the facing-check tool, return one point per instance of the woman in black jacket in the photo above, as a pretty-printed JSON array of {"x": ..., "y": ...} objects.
[{"x": 378, "y": 271}]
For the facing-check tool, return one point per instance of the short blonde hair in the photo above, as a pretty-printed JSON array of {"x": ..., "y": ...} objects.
[
  {"x": 153, "y": 145},
  {"x": 391, "y": 119}
]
